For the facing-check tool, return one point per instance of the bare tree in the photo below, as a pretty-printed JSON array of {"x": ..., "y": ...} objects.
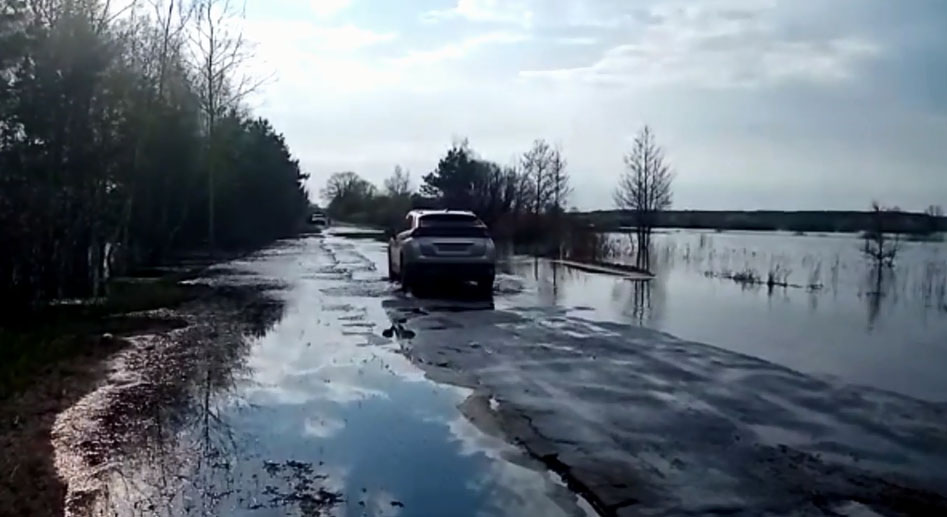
[
  {"x": 522, "y": 191},
  {"x": 156, "y": 46},
  {"x": 219, "y": 52},
  {"x": 399, "y": 183},
  {"x": 106, "y": 88},
  {"x": 559, "y": 188},
  {"x": 342, "y": 184},
  {"x": 346, "y": 193},
  {"x": 880, "y": 248},
  {"x": 644, "y": 190},
  {"x": 536, "y": 166}
]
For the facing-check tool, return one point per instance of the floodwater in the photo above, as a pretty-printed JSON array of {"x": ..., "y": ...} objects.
[
  {"x": 357, "y": 399},
  {"x": 839, "y": 330},
  {"x": 321, "y": 415}
]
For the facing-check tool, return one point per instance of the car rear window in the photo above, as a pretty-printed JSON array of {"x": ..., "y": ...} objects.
[
  {"x": 450, "y": 225},
  {"x": 449, "y": 220},
  {"x": 451, "y": 230}
]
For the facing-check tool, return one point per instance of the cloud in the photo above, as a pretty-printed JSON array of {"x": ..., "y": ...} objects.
[
  {"x": 495, "y": 11},
  {"x": 348, "y": 37},
  {"x": 754, "y": 95},
  {"x": 307, "y": 37},
  {"x": 460, "y": 49},
  {"x": 295, "y": 52},
  {"x": 577, "y": 40},
  {"x": 529, "y": 14},
  {"x": 718, "y": 45},
  {"x": 328, "y": 8},
  {"x": 381, "y": 504},
  {"x": 322, "y": 427}
]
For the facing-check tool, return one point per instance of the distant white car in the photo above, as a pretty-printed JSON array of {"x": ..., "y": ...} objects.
[
  {"x": 319, "y": 220},
  {"x": 445, "y": 245}
]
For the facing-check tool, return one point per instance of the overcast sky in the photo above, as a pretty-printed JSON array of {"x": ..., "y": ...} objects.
[{"x": 791, "y": 104}]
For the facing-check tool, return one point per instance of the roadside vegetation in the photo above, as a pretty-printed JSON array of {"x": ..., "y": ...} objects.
[
  {"x": 128, "y": 161},
  {"x": 514, "y": 200},
  {"x": 125, "y": 144},
  {"x": 524, "y": 202}
]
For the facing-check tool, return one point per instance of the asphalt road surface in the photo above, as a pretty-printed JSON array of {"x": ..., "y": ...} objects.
[{"x": 363, "y": 400}]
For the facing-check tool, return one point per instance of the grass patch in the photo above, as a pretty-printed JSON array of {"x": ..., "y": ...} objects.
[{"x": 47, "y": 338}]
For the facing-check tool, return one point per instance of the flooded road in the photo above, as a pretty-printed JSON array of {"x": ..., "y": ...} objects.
[
  {"x": 332, "y": 390},
  {"x": 318, "y": 415},
  {"x": 356, "y": 399}
]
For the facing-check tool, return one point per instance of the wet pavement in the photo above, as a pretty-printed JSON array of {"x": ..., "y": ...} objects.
[
  {"x": 645, "y": 423},
  {"x": 332, "y": 389},
  {"x": 318, "y": 414},
  {"x": 360, "y": 400}
]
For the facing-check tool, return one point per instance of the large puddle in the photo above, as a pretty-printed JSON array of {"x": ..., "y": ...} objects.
[
  {"x": 323, "y": 416},
  {"x": 840, "y": 331}
]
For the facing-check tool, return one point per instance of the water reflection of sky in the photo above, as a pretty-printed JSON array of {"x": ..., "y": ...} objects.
[
  {"x": 897, "y": 342},
  {"x": 323, "y": 406},
  {"x": 393, "y": 442}
]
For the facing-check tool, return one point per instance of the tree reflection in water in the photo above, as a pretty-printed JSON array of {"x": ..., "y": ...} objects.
[
  {"x": 157, "y": 438},
  {"x": 878, "y": 284}
]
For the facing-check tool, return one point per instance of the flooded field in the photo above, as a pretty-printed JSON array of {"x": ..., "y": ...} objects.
[{"x": 830, "y": 322}]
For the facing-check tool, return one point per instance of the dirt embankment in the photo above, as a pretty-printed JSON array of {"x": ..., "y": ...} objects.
[{"x": 59, "y": 432}]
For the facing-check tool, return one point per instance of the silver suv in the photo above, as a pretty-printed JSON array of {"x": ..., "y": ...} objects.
[{"x": 442, "y": 245}]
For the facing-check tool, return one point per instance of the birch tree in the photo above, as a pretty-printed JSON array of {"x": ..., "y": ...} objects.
[{"x": 219, "y": 54}]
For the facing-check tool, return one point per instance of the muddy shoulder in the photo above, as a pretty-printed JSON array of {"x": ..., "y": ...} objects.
[{"x": 77, "y": 407}]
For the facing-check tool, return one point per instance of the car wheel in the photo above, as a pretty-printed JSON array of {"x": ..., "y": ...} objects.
[
  {"x": 406, "y": 279},
  {"x": 485, "y": 287},
  {"x": 391, "y": 270}
]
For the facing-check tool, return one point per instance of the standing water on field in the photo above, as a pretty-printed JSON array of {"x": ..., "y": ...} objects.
[{"x": 831, "y": 320}]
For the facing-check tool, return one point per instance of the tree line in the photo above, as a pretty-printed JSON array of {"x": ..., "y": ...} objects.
[
  {"x": 124, "y": 140},
  {"x": 828, "y": 221},
  {"x": 525, "y": 201},
  {"x": 510, "y": 199}
]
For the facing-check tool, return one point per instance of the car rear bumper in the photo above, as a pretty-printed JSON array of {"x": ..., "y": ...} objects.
[{"x": 458, "y": 270}]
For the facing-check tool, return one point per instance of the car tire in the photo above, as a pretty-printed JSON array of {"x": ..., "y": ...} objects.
[
  {"x": 406, "y": 280},
  {"x": 392, "y": 277},
  {"x": 485, "y": 287}
]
